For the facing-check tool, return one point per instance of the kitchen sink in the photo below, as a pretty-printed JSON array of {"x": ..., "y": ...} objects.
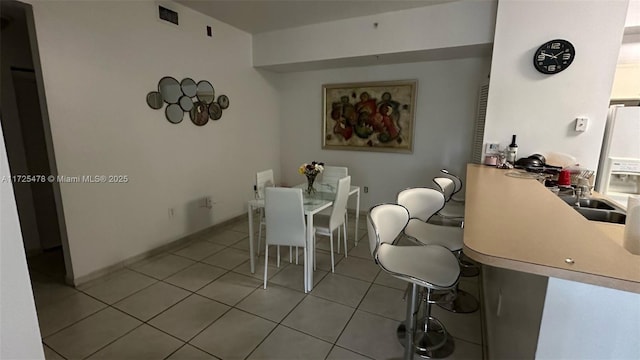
[
  {"x": 590, "y": 203},
  {"x": 597, "y": 209},
  {"x": 610, "y": 216}
]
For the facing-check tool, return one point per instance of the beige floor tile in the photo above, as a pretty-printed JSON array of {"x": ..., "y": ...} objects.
[
  {"x": 358, "y": 268},
  {"x": 341, "y": 289},
  {"x": 385, "y": 301},
  {"x": 461, "y": 326},
  {"x": 292, "y": 276},
  {"x": 466, "y": 351},
  {"x": 230, "y": 288},
  {"x": 195, "y": 276},
  {"x": 50, "y": 354},
  {"x": 92, "y": 333},
  {"x": 241, "y": 226},
  {"x": 67, "y": 311},
  {"x": 338, "y": 353},
  {"x": 189, "y": 352},
  {"x": 151, "y": 301},
  {"x": 273, "y": 303},
  {"x": 199, "y": 250},
  {"x": 319, "y": 317},
  {"x": 323, "y": 259},
  {"x": 385, "y": 279},
  {"x": 285, "y": 343},
  {"x": 163, "y": 266},
  {"x": 115, "y": 287},
  {"x": 361, "y": 251},
  {"x": 189, "y": 317},
  {"x": 228, "y": 258},
  {"x": 371, "y": 335},
  {"x": 144, "y": 342},
  {"x": 226, "y": 237},
  {"x": 244, "y": 244},
  {"x": 245, "y": 268},
  {"x": 233, "y": 336},
  {"x": 47, "y": 290}
]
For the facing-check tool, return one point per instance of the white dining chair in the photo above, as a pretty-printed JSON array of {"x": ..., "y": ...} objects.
[
  {"x": 264, "y": 179},
  {"x": 284, "y": 215},
  {"x": 330, "y": 177},
  {"x": 332, "y": 174},
  {"x": 457, "y": 185},
  {"x": 326, "y": 225}
]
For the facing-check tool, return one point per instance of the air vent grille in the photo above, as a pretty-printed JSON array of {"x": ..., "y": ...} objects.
[
  {"x": 478, "y": 129},
  {"x": 168, "y": 15}
]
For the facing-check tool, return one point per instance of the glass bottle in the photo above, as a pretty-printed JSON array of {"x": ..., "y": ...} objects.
[{"x": 512, "y": 150}]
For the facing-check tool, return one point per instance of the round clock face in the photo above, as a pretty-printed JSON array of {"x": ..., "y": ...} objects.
[{"x": 554, "y": 56}]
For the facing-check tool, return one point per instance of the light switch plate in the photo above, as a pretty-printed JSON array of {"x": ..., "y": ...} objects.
[{"x": 581, "y": 124}]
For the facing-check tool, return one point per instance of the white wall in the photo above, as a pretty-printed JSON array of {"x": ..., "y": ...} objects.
[
  {"x": 99, "y": 60},
  {"x": 19, "y": 331},
  {"x": 454, "y": 24},
  {"x": 582, "y": 321},
  {"x": 540, "y": 108},
  {"x": 445, "y": 113}
]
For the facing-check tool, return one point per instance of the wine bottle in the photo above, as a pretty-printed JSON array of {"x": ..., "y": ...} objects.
[{"x": 512, "y": 150}]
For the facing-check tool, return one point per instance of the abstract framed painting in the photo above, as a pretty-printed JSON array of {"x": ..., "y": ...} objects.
[{"x": 371, "y": 116}]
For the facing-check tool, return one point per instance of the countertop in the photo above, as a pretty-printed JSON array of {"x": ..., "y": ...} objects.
[{"x": 518, "y": 224}]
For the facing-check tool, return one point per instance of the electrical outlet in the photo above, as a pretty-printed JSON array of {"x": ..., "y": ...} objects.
[
  {"x": 581, "y": 124},
  {"x": 366, "y": 189},
  {"x": 491, "y": 148}
]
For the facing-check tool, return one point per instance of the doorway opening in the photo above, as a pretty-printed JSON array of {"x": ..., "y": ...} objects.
[{"x": 28, "y": 142}]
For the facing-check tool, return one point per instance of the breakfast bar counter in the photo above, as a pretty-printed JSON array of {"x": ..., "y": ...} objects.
[
  {"x": 518, "y": 224},
  {"x": 555, "y": 285}
]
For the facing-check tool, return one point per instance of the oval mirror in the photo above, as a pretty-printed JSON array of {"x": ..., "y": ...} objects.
[
  {"x": 185, "y": 103},
  {"x": 189, "y": 87},
  {"x": 215, "y": 112},
  {"x": 223, "y": 101},
  {"x": 174, "y": 113},
  {"x": 170, "y": 89},
  {"x": 154, "y": 100},
  {"x": 199, "y": 114},
  {"x": 205, "y": 92}
]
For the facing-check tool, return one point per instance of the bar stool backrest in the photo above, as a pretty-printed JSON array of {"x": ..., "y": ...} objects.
[
  {"x": 422, "y": 203},
  {"x": 446, "y": 185},
  {"x": 384, "y": 223}
]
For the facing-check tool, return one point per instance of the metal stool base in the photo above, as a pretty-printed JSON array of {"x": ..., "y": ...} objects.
[
  {"x": 436, "y": 344},
  {"x": 463, "y": 303}
]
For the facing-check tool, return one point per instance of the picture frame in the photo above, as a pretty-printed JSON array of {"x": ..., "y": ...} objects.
[{"x": 369, "y": 116}]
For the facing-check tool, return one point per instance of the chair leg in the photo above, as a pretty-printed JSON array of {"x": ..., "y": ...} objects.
[
  {"x": 344, "y": 230},
  {"x": 331, "y": 241},
  {"x": 314, "y": 252},
  {"x": 266, "y": 261},
  {"x": 278, "y": 255},
  {"x": 305, "y": 270},
  {"x": 338, "y": 240},
  {"x": 296, "y": 255},
  {"x": 410, "y": 323}
]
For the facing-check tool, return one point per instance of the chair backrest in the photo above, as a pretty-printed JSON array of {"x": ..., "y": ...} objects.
[
  {"x": 331, "y": 174},
  {"x": 264, "y": 179},
  {"x": 446, "y": 186},
  {"x": 422, "y": 203},
  {"x": 284, "y": 216},
  {"x": 384, "y": 223},
  {"x": 456, "y": 181},
  {"x": 340, "y": 203}
]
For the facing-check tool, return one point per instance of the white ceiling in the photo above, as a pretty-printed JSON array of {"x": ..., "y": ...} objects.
[{"x": 256, "y": 16}]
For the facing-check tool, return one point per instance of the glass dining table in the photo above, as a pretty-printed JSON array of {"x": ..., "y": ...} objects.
[{"x": 313, "y": 204}]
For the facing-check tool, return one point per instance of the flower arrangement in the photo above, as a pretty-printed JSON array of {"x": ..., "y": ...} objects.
[{"x": 311, "y": 171}]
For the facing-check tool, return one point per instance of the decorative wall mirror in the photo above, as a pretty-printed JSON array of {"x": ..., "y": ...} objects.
[
  {"x": 154, "y": 100},
  {"x": 174, "y": 113},
  {"x": 189, "y": 87},
  {"x": 205, "y": 92},
  {"x": 170, "y": 89},
  {"x": 187, "y": 96}
]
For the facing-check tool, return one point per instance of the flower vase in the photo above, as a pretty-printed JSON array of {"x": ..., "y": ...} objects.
[{"x": 310, "y": 179}]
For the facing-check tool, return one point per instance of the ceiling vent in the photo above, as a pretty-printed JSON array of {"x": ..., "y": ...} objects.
[{"x": 168, "y": 15}]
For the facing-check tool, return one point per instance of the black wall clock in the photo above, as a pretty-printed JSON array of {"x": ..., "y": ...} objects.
[{"x": 554, "y": 56}]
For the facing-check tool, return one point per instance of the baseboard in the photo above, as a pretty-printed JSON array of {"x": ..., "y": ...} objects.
[{"x": 87, "y": 280}]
